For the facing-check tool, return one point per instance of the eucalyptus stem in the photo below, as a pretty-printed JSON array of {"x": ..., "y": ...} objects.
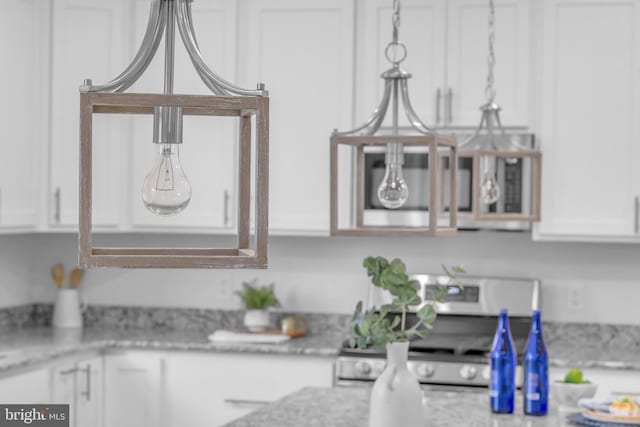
[{"x": 404, "y": 318}]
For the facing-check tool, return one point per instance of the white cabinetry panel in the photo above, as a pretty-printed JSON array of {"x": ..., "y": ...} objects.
[
  {"x": 133, "y": 390},
  {"x": 212, "y": 389},
  {"x": 21, "y": 119},
  {"x": 589, "y": 119},
  {"x": 88, "y": 42},
  {"x": 467, "y": 68},
  {"x": 303, "y": 52},
  {"x": 29, "y": 387}
]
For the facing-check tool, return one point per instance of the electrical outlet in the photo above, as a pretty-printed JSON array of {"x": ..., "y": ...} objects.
[
  {"x": 575, "y": 297},
  {"x": 225, "y": 287}
]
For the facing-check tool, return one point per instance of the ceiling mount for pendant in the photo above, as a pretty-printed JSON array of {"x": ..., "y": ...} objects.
[
  {"x": 167, "y": 191},
  {"x": 393, "y": 191}
]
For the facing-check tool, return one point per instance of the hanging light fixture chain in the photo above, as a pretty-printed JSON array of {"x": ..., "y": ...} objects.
[
  {"x": 396, "y": 51},
  {"x": 490, "y": 90},
  {"x": 395, "y": 19}
]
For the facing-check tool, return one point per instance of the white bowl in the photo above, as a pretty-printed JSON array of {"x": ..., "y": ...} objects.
[{"x": 567, "y": 395}]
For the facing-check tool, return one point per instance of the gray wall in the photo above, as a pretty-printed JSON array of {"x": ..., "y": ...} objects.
[{"x": 581, "y": 282}]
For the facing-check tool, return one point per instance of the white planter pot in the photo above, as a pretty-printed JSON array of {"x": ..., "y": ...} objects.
[
  {"x": 257, "y": 320},
  {"x": 396, "y": 397}
]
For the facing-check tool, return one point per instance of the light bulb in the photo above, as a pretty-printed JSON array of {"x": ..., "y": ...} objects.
[
  {"x": 489, "y": 187},
  {"x": 166, "y": 189},
  {"x": 393, "y": 191}
]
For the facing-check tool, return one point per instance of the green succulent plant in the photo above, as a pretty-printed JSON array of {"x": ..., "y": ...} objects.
[
  {"x": 257, "y": 297},
  {"x": 374, "y": 327}
]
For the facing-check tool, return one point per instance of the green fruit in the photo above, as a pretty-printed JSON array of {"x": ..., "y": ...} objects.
[{"x": 574, "y": 376}]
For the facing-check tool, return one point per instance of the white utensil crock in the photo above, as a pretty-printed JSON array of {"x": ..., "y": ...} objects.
[{"x": 67, "y": 311}]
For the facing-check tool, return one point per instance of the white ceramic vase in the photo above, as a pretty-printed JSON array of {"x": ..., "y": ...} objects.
[
  {"x": 396, "y": 397},
  {"x": 257, "y": 320}
]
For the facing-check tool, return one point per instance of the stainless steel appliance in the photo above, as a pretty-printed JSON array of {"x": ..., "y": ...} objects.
[
  {"x": 456, "y": 351},
  {"x": 514, "y": 177}
]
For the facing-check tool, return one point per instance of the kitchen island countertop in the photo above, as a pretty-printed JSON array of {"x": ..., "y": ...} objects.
[{"x": 349, "y": 407}]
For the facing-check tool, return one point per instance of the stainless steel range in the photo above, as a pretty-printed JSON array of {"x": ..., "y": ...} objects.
[{"x": 456, "y": 351}]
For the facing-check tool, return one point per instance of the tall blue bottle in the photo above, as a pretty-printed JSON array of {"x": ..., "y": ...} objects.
[
  {"x": 536, "y": 365},
  {"x": 503, "y": 368}
]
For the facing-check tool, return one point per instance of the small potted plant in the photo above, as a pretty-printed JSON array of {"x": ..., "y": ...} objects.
[
  {"x": 396, "y": 396},
  {"x": 257, "y": 300},
  {"x": 568, "y": 392}
]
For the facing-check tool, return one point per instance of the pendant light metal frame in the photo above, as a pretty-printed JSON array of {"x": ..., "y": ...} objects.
[
  {"x": 228, "y": 101},
  {"x": 395, "y": 87},
  {"x": 491, "y": 140}
]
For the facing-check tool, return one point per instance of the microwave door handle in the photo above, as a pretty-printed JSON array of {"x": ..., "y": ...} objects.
[{"x": 636, "y": 225}]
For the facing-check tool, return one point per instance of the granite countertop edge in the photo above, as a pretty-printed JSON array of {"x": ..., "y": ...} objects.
[{"x": 33, "y": 347}]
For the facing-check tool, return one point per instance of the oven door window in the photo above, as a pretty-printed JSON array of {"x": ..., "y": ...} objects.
[{"x": 416, "y": 175}]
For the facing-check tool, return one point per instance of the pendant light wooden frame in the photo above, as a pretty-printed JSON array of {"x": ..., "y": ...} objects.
[
  {"x": 243, "y": 255},
  {"x": 536, "y": 183},
  {"x": 436, "y": 174}
]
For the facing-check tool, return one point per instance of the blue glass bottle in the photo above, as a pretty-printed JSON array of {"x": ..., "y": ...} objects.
[
  {"x": 536, "y": 366},
  {"x": 503, "y": 368}
]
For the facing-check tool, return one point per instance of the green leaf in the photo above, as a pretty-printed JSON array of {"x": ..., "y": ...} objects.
[
  {"x": 427, "y": 314},
  {"x": 357, "y": 311}
]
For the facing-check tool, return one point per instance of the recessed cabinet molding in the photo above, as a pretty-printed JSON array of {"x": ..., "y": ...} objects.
[
  {"x": 588, "y": 125},
  {"x": 448, "y": 44}
]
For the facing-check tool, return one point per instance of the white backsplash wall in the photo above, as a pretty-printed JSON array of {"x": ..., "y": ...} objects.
[
  {"x": 16, "y": 261},
  {"x": 580, "y": 281}
]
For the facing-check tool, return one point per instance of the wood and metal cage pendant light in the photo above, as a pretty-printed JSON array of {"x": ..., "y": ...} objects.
[
  {"x": 170, "y": 195},
  {"x": 496, "y": 154},
  {"x": 348, "y": 149}
]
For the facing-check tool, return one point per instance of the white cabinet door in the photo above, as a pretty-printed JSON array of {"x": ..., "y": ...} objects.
[
  {"x": 132, "y": 390},
  {"x": 422, "y": 29},
  {"x": 303, "y": 52},
  {"x": 207, "y": 390},
  {"x": 89, "y": 392},
  {"x": 208, "y": 153},
  {"x": 88, "y": 43},
  {"x": 21, "y": 116},
  {"x": 467, "y": 68},
  {"x": 589, "y": 124},
  {"x": 30, "y": 387},
  {"x": 79, "y": 384}
]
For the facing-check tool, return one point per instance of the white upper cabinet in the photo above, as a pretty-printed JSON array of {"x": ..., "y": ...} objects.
[
  {"x": 303, "y": 51},
  {"x": 589, "y": 126},
  {"x": 88, "y": 42},
  {"x": 447, "y": 44},
  {"x": 209, "y": 150},
  {"x": 21, "y": 112}
]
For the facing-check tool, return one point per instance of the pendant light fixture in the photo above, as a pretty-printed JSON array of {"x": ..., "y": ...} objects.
[
  {"x": 496, "y": 152},
  {"x": 166, "y": 190},
  {"x": 392, "y": 190}
]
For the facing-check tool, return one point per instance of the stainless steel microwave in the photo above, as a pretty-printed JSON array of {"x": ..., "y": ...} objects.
[{"x": 515, "y": 178}]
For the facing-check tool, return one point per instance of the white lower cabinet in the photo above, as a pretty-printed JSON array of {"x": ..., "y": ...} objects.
[
  {"x": 79, "y": 383},
  {"x": 29, "y": 387},
  {"x": 133, "y": 389},
  {"x": 208, "y": 390}
]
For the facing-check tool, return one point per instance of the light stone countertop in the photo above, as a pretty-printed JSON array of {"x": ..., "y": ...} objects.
[
  {"x": 34, "y": 346},
  {"x": 349, "y": 407}
]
